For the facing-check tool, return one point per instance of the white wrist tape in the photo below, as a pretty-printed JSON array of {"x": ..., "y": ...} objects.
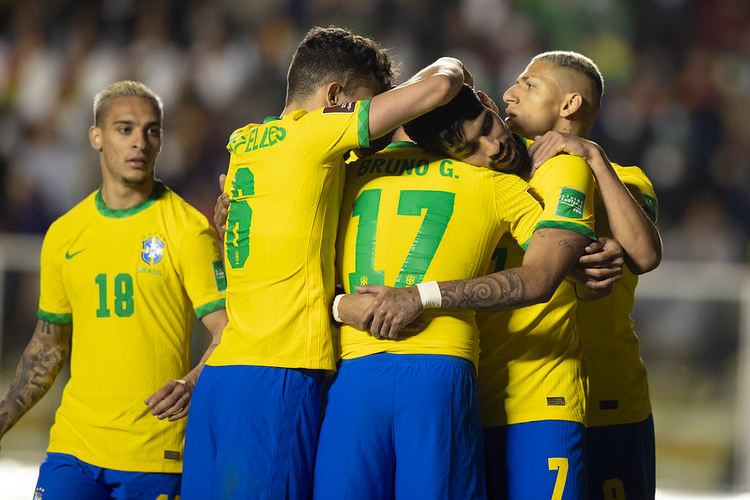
[
  {"x": 335, "y": 307},
  {"x": 429, "y": 293}
]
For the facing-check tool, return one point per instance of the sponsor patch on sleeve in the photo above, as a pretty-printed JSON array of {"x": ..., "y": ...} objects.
[
  {"x": 649, "y": 206},
  {"x": 220, "y": 276},
  {"x": 347, "y": 107},
  {"x": 570, "y": 204}
]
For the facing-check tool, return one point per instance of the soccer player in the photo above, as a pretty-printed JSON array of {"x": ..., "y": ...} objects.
[
  {"x": 254, "y": 422},
  {"x": 123, "y": 276},
  {"x": 561, "y": 92},
  {"x": 402, "y": 418},
  {"x": 549, "y": 359}
]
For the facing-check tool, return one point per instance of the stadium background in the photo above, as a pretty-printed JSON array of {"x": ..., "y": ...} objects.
[{"x": 676, "y": 102}]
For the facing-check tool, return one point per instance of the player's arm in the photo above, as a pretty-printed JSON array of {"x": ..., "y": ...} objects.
[
  {"x": 40, "y": 363},
  {"x": 431, "y": 87},
  {"x": 172, "y": 401},
  {"x": 221, "y": 209},
  {"x": 629, "y": 223},
  {"x": 549, "y": 257}
]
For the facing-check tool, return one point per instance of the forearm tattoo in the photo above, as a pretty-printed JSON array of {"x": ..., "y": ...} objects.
[
  {"x": 487, "y": 293},
  {"x": 35, "y": 373},
  {"x": 515, "y": 287}
]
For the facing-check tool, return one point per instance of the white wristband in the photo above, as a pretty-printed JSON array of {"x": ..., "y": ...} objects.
[
  {"x": 335, "y": 307},
  {"x": 429, "y": 293}
]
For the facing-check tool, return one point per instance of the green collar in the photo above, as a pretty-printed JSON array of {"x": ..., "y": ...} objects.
[
  {"x": 401, "y": 144},
  {"x": 114, "y": 213}
]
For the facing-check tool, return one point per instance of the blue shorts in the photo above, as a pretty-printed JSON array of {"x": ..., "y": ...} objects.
[
  {"x": 535, "y": 460},
  {"x": 401, "y": 426},
  {"x": 251, "y": 433},
  {"x": 64, "y": 477},
  {"x": 620, "y": 461}
]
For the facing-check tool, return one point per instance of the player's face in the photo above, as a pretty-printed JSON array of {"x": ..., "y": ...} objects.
[
  {"x": 129, "y": 140},
  {"x": 487, "y": 142},
  {"x": 533, "y": 103}
]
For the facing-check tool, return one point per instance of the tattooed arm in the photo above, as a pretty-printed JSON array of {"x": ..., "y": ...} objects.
[
  {"x": 40, "y": 363},
  {"x": 550, "y": 256}
]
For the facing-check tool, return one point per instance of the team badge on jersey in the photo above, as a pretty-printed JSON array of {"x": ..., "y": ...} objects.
[{"x": 153, "y": 250}]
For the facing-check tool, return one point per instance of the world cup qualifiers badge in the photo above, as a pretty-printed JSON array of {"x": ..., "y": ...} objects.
[{"x": 153, "y": 250}]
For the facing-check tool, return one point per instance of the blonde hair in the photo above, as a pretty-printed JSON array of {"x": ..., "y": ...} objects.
[{"x": 125, "y": 88}]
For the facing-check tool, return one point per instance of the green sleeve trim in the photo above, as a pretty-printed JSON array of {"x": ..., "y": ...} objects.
[
  {"x": 363, "y": 124},
  {"x": 58, "y": 319},
  {"x": 570, "y": 226},
  {"x": 210, "y": 307}
]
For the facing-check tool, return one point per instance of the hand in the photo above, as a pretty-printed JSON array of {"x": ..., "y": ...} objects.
[
  {"x": 552, "y": 143},
  {"x": 392, "y": 310},
  {"x": 221, "y": 209},
  {"x": 601, "y": 265},
  {"x": 352, "y": 307},
  {"x": 171, "y": 401}
]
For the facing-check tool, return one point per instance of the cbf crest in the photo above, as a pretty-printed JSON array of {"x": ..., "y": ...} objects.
[{"x": 153, "y": 250}]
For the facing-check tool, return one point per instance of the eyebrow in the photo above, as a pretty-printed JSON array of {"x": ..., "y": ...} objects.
[{"x": 132, "y": 122}]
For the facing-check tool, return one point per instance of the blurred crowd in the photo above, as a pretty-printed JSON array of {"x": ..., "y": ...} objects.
[{"x": 676, "y": 101}]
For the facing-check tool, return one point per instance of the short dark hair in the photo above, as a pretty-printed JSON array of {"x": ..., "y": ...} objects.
[
  {"x": 440, "y": 128},
  {"x": 581, "y": 64},
  {"x": 336, "y": 54}
]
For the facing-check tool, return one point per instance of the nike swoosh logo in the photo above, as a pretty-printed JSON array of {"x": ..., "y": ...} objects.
[{"x": 71, "y": 255}]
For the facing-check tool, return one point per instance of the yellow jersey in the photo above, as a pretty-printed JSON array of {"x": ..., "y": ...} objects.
[
  {"x": 530, "y": 363},
  {"x": 617, "y": 382},
  {"x": 131, "y": 282},
  {"x": 408, "y": 217},
  {"x": 285, "y": 183}
]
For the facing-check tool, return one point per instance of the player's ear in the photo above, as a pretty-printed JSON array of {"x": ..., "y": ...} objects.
[
  {"x": 333, "y": 94},
  {"x": 487, "y": 101},
  {"x": 95, "y": 137},
  {"x": 572, "y": 103}
]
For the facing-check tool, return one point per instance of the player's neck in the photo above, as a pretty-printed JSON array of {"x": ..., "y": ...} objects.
[
  {"x": 315, "y": 101},
  {"x": 572, "y": 128},
  {"x": 119, "y": 196}
]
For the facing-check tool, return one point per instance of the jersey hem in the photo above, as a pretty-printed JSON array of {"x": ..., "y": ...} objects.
[
  {"x": 532, "y": 417},
  {"x": 148, "y": 467},
  {"x": 244, "y": 361},
  {"x": 631, "y": 417}
]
